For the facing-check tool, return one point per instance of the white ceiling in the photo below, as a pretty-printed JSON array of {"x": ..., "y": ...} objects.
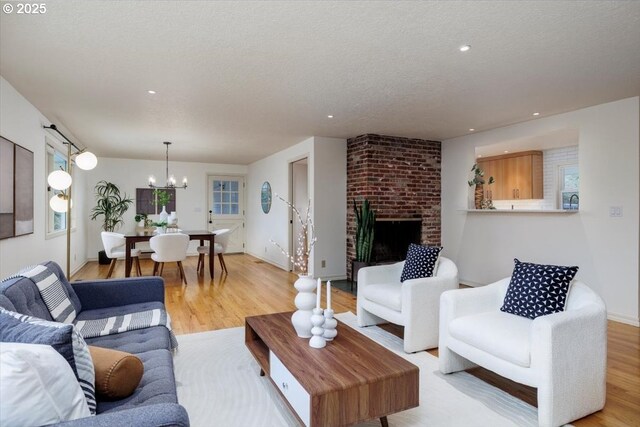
[{"x": 237, "y": 81}]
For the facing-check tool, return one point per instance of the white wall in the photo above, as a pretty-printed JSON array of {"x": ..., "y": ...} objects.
[
  {"x": 606, "y": 249},
  {"x": 129, "y": 174},
  {"x": 22, "y": 123},
  {"x": 327, "y": 191},
  {"x": 275, "y": 225}
]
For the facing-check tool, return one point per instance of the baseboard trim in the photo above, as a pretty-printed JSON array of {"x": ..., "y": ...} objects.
[
  {"x": 623, "y": 319},
  {"x": 268, "y": 261},
  {"x": 78, "y": 268}
]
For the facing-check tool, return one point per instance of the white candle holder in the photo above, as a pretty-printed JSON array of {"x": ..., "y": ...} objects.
[
  {"x": 330, "y": 331},
  {"x": 317, "y": 340}
]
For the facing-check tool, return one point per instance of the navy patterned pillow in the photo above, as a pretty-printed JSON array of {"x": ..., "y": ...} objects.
[
  {"x": 537, "y": 290},
  {"x": 63, "y": 337},
  {"x": 421, "y": 262}
]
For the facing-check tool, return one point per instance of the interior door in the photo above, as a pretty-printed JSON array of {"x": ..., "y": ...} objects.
[{"x": 226, "y": 208}]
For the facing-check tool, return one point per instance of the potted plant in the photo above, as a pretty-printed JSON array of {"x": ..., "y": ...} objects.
[
  {"x": 111, "y": 205},
  {"x": 478, "y": 181},
  {"x": 161, "y": 226},
  {"x": 143, "y": 220},
  {"x": 162, "y": 198},
  {"x": 365, "y": 230}
]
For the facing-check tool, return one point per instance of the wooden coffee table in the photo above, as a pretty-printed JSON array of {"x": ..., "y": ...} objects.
[{"x": 352, "y": 379}]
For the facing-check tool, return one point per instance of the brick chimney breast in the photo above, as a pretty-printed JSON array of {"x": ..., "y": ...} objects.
[{"x": 401, "y": 179}]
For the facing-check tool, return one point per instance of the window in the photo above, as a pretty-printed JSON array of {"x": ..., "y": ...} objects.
[
  {"x": 226, "y": 197},
  {"x": 57, "y": 221},
  {"x": 569, "y": 186}
]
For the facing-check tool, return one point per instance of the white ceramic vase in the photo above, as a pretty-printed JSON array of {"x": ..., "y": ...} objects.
[
  {"x": 305, "y": 302},
  {"x": 164, "y": 216},
  {"x": 173, "y": 219}
]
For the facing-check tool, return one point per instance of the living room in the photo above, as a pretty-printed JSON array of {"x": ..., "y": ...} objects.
[{"x": 245, "y": 90}]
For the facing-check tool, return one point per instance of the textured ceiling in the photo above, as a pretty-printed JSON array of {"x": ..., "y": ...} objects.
[{"x": 237, "y": 81}]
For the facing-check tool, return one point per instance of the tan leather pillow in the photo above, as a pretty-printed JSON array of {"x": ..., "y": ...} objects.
[{"x": 117, "y": 373}]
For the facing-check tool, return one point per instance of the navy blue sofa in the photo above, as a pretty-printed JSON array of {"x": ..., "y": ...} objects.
[{"x": 154, "y": 402}]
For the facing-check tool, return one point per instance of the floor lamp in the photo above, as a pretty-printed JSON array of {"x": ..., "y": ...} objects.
[{"x": 61, "y": 181}]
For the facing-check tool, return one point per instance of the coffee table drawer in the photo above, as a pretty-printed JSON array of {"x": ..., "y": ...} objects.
[{"x": 290, "y": 388}]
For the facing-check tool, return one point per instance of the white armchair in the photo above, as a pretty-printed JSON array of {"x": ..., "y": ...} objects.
[
  {"x": 563, "y": 355},
  {"x": 413, "y": 304}
]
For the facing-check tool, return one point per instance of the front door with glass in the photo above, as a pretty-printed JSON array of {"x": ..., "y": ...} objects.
[{"x": 226, "y": 208}]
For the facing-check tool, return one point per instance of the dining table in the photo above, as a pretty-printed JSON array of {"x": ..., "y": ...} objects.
[{"x": 144, "y": 236}]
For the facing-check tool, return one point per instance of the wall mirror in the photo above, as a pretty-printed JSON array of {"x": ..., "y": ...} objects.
[
  {"x": 265, "y": 197},
  {"x": 539, "y": 172}
]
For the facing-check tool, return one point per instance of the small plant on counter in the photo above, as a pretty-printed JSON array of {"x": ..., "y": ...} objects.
[
  {"x": 478, "y": 178},
  {"x": 479, "y": 181}
]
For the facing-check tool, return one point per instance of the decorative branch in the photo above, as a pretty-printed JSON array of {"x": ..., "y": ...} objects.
[{"x": 306, "y": 238}]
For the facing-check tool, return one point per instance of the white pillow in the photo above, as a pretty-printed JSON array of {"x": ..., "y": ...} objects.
[{"x": 37, "y": 387}]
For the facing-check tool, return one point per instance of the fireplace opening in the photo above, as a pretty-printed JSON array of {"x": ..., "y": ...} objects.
[{"x": 392, "y": 238}]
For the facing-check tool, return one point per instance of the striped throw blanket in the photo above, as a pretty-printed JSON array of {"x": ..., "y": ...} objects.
[
  {"x": 126, "y": 322},
  {"x": 59, "y": 305},
  {"x": 52, "y": 292}
]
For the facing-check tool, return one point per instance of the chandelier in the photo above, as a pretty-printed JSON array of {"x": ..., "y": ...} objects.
[{"x": 170, "y": 182}]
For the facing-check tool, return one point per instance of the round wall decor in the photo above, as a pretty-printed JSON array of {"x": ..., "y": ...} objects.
[{"x": 265, "y": 197}]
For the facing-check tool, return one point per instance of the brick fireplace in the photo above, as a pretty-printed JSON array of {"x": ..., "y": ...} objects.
[{"x": 401, "y": 179}]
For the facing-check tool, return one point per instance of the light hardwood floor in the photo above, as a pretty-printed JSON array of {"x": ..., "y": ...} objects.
[{"x": 254, "y": 287}]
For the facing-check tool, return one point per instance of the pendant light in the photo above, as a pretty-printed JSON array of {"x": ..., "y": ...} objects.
[{"x": 170, "y": 182}]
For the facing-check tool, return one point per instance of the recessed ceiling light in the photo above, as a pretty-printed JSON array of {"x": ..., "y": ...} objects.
[
  {"x": 329, "y": 116},
  {"x": 479, "y": 155},
  {"x": 471, "y": 130},
  {"x": 506, "y": 151},
  {"x": 151, "y": 92},
  {"x": 536, "y": 114},
  {"x": 465, "y": 48}
]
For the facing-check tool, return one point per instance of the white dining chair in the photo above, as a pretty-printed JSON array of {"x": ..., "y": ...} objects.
[
  {"x": 114, "y": 247},
  {"x": 170, "y": 247},
  {"x": 219, "y": 248}
]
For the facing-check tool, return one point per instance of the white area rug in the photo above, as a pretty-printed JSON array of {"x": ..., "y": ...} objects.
[{"x": 218, "y": 384}]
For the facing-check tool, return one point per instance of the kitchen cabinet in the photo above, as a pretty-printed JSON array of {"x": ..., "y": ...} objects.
[
  {"x": 494, "y": 168},
  {"x": 517, "y": 176}
]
